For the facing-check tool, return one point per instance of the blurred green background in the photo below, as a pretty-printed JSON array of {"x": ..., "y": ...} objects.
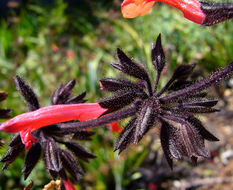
[{"x": 48, "y": 42}]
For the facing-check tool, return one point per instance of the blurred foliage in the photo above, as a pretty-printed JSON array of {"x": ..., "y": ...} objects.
[{"x": 50, "y": 42}]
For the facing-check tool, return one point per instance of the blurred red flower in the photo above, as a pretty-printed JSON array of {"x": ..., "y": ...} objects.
[
  {"x": 115, "y": 127},
  {"x": 55, "y": 48},
  {"x": 70, "y": 54}
]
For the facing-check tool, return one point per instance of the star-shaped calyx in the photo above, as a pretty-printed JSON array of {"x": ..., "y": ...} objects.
[{"x": 173, "y": 108}]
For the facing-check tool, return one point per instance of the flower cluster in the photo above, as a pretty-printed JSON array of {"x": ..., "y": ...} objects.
[
  {"x": 53, "y": 131},
  {"x": 47, "y": 139},
  {"x": 182, "y": 134},
  {"x": 173, "y": 107}
]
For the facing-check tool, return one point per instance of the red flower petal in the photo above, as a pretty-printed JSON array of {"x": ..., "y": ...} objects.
[
  {"x": 50, "y": 115},
  {"x": 68, "y": 185},
  {"x": 152, "y": 186},
  {"x": 191, "y": 8},
  {"x": 55, "y": 48},
  {"x": 115, "y": 127},
  {"x": 101, "y": 85},
  {"x": 133, "y": 8},
  {"x": 70, "y": 54},
  {"x": 27, "y": 138}
]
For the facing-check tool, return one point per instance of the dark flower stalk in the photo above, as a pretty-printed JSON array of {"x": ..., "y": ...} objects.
[
  {"x": 174, "y": 106},
  {"x": 117, "y": 116}
]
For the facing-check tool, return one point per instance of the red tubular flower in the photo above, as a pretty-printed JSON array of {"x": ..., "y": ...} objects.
[
  {"x": 59, "y": 148},
  {"x": 197, "y": 11},
  {"x": 50, "y": 115},
  {"x": 28, "y": 122},
  {"x": 133, "y": 8},
  {"x": 55, "y": 48},
  {"x": 68, "y": 185},
  {"x": 191, "y": 9}
]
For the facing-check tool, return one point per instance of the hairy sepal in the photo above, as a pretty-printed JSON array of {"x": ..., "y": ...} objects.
[
  {"x": 79, "y": 151},
  {"x": 216, "y": 12},
  {"x": 182, "y": 72},
  {"x": 201, "y": 129},
  {"x": 27, "y": 92},
  {"x": 164, "y": 139},
  {"x": 145, "y": 118},
  {"x": 77, "y": 99},
  {"x": 71, "y": 165},
  {"x": 126, "y": 137},
  {"x": 31, "y": 159},
  {"x": 114, "y": 85},
  {"x": 52, "y": 158},
  {"x": 197, "y": 87},
  {"x": 11, "y": 154},
  {"x": 158, "y": 56},
  {"x": 118, "y": 101},
  {"x": 63, "y": 92}
]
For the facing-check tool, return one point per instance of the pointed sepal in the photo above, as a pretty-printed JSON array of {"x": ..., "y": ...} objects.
[
  {"x": 31, "y": 159},
  {"x": 27, "y": 92},
  {"x": 158, "y": 56}
]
